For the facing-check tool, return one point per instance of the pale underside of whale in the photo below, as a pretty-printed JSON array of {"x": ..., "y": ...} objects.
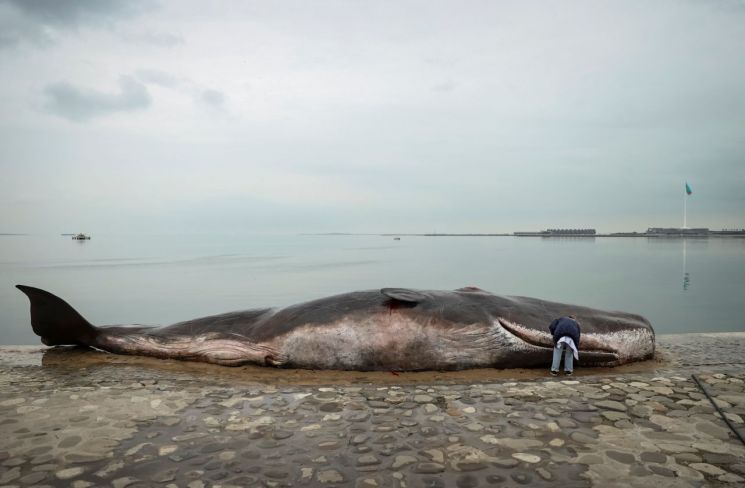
[{"x": 389, "y": 329}]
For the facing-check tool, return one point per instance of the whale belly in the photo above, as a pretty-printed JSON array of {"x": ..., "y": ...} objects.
[{"x": 378, "y": 343}]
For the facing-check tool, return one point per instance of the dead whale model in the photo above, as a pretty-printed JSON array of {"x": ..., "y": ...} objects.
[{"x": 389, "y": 329}]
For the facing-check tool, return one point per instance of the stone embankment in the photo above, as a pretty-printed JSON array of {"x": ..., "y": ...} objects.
[{"x": 86, "y": 419}]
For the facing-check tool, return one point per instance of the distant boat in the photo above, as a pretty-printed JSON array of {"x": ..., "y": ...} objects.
[
  {"x": 396, "y": 238},
  {"x": 80, "y": 237}
]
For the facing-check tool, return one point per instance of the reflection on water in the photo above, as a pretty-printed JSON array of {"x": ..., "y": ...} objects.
[{"x": 686, "y": 275}]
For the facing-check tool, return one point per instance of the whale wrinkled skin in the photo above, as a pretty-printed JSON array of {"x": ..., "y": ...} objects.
[{"x": 392, "y": 329}]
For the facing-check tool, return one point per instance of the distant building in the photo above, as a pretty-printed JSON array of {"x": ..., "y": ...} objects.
[
  {"x": 675, "y": 231},
  {"x": 560, "y": 233},
  {"x": 571, "y": 232},
  {"x": 728, "y": 232}
]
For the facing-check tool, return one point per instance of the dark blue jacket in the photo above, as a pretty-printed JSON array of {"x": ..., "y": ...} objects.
[{"x": 565, "y": 326}]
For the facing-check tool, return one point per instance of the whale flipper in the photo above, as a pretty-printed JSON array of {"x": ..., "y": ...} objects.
[{"x": 55, "y": 321}]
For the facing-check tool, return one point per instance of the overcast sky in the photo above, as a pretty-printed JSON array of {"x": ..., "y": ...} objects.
[{"x": 370, "y": 116}]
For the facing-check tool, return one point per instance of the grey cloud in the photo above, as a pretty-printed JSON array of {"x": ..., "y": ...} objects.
[
  {"x": 213, "y": 98},
  {"x": 76, "y": 13},
  {"x": 446, "y": 86},
  {"x": 36, "y": 21},
  {"x": 156, "y": 77},
  {"x": 209, "y": 97},
  {"x": 162, "y": 39},
  {"x": 14, "y": 28},
  {"x": 80, "y": 105}
]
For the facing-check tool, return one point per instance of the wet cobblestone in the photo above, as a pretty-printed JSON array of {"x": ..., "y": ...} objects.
[{"x": 128, "y": 425}]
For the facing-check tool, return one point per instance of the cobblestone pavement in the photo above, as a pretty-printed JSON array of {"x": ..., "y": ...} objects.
[{"x": 129, "y": 424}]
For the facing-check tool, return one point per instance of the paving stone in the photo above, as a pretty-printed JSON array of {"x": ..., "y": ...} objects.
[
  {"x": 429, "y": 468},
  {"x": 611, "y": 405},
  {"x": 718, "y": 448},
  {"x": 511, "y": 443},
  {"x": 69, "y": 473},
  {"x": 621, "y": 457},
  {"x": 675, "y": 448},
  {"x": 367, "y": 483},
  {"x": 720, "y": 459},
  {"x": 528, "y": 458},
  {"x": 589, "y": 459},
  {"x": 662, "y": 471},
  {"x": 436, "y": 455},
  {"x": 69, "y": 441},
  {"x": 81, "y": 484},
  {"x": 124, "y": 482},
  {"x": 430, "y": 482},
  {"x": 731, "y": 478},
  {"x": 165, "y": 476},
  {"x": 707, "y": 468},
  {"x": 367, "y": 460},
  {"x": 522, "y": 478},
  {"x": 466, "y": 465},
  {"x": 653, "y": 457},
  {"x": 713, "y": 430},
  {"x": 329, "y": 476},
  {"x": 10, "y": 475},
  {"x": 495, "y": 479},
  {"x": 544, "y": 473},
  {"x": 584, "y": 438},
  {"x": 586, "y": 417},
  {"x": 614, "y": 416},
  {"x": 506, "y": 463},
  {"x": 423, "y": 399},
  {"x": 33, "y": 478},
  {"x": 276, "y": 474},
  {"x": 16, "y": 461},
  {"x": 403, "y": 460}
]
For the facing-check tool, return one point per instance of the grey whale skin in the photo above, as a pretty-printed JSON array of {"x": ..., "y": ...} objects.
[{"x": 390, "y": 329}]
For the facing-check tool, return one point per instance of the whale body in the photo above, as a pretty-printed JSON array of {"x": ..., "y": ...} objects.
[{"x": 392, "y": 329}]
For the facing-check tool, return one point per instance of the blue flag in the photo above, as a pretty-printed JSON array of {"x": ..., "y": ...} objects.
[{"x": 688, "y": 189}]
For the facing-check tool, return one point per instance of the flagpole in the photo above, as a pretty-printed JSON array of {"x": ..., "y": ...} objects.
[{"x": 685, "y": 210}]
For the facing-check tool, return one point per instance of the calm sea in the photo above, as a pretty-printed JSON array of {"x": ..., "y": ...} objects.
[{"x": 691, "y": 285}]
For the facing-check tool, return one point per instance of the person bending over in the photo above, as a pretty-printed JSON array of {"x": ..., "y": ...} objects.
[{"x": 566, "y": 332}]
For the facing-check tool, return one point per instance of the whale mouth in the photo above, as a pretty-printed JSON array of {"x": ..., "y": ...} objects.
[{"x": 591, "y": 351}]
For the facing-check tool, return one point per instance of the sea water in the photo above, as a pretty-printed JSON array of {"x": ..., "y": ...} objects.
[{"x": 680, "y": 285}]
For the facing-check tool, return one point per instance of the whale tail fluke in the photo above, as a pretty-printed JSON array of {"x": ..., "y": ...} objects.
[{"x": 55, "y": 321}]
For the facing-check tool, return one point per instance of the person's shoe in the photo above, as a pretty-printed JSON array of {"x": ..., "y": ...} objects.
[
  {"x": 567, "y": 373},
  {"x": 554, "y": 373}
]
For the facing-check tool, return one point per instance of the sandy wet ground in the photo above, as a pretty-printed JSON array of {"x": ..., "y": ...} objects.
[
  {"x": 82, "y": 358},
  {"x": 82, "y": 418}
]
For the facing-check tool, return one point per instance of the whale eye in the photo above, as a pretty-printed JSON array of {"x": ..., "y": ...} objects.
[{"x": 404, "y": 295}]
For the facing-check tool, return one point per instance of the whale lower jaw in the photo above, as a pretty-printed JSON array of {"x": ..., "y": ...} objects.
[{"x": 598, "y": 355}]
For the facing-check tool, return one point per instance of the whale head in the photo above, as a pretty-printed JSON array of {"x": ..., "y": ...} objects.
[
  {"x": 608, "y": 338},
  {"x": 519, "y": 326}
]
